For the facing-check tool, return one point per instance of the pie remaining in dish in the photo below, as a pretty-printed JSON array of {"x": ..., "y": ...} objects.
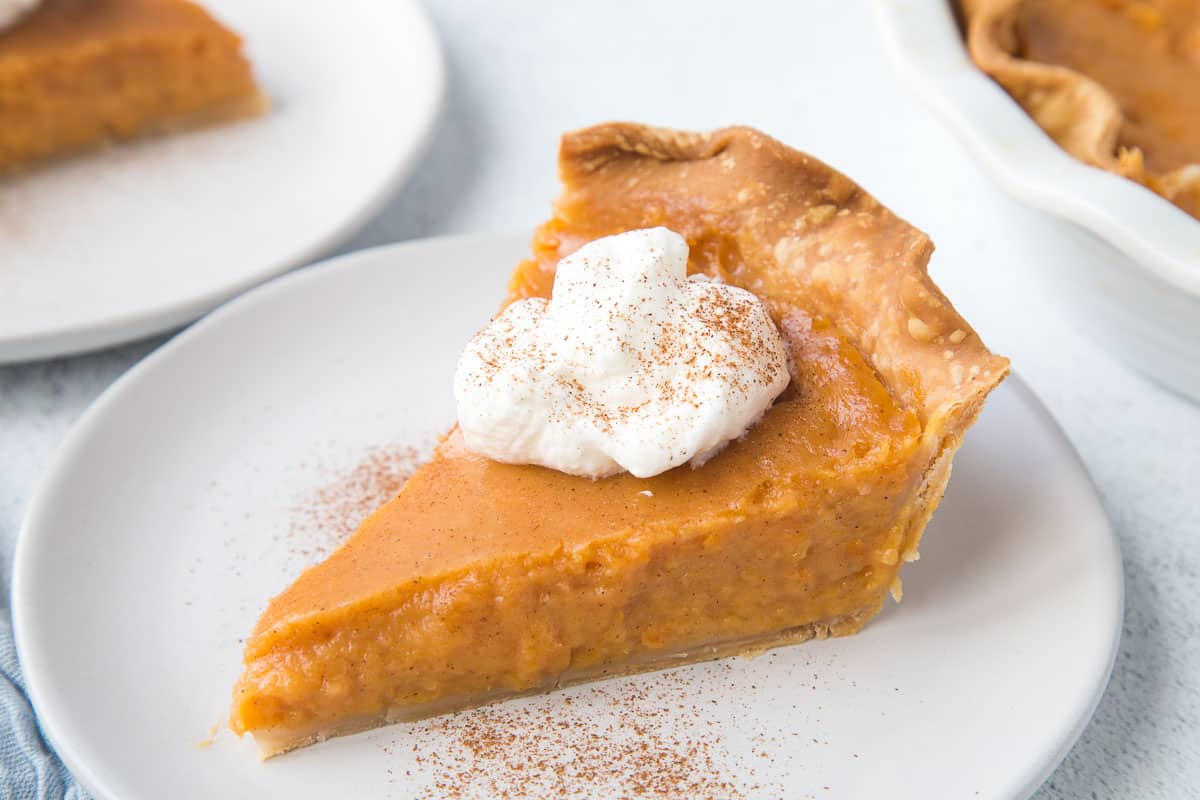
[
  {"x": 1115, "y": 82},
  {"x": 482, "y": 580},
  {"x": 76, "y": 74}
]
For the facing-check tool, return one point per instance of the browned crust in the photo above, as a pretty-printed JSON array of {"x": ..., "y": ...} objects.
[
  {"x": 1080, "y": 115},
  {"x": 833, "y": 249},
  {"x": 836, "y": 251}
]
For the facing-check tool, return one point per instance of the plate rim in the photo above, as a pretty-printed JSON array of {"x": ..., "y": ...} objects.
[
  {"x": 1039, "y": 776},
  {"x": 96, "y": 335},
  {"x": 38, "y": 513}
]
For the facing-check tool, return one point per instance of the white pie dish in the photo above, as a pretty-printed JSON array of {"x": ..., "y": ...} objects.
[{"x": 1137, "y": 287}]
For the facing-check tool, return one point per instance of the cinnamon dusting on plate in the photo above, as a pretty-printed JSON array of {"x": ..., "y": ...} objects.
[
  {"x": 326, "y": 516},
  {"x": 629, "y": 739}
]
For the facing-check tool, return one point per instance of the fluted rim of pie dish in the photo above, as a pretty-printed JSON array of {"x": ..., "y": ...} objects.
[{"x": 925, "y": 43}]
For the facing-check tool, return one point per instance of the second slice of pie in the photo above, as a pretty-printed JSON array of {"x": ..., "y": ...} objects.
[
  {"x": 78, "y": 74},
  {"x": 483, "y": 580}
]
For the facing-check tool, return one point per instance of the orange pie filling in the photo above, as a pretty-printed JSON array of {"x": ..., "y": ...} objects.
[{"x": 483, "y": 580}]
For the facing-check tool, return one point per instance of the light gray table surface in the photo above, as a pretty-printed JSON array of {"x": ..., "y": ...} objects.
[{"x": 812, "y": 74}]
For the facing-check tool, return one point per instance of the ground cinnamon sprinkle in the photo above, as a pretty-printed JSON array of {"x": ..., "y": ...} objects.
[
  {"x": 325, "y": 517},
  {"x": 625, "y": 740}
]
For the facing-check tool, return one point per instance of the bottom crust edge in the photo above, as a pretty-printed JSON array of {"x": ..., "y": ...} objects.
[{"x": 276, "y": 741}]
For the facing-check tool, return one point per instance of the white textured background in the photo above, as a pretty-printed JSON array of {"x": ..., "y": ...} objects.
[{"x": 812, "y": 74}]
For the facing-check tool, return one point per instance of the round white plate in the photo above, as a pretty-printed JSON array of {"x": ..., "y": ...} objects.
[
  {"x": 143, "y": 237},
  {"x": 156, "y": 538}
]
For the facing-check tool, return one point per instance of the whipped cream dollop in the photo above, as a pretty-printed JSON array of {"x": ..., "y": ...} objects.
[
  {"x": 11, "y": 11},
  {"x": 630, "y": 366}
]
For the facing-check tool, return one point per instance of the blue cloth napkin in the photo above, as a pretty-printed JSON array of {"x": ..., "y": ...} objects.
[{"x": 29, "y": 769}]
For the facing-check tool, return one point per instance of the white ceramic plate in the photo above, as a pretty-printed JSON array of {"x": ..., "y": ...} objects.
[
  {"x": 156, "y": 538},
  {"x": 1141, "y": 293},
  {"x": 144, "y": 237}
]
